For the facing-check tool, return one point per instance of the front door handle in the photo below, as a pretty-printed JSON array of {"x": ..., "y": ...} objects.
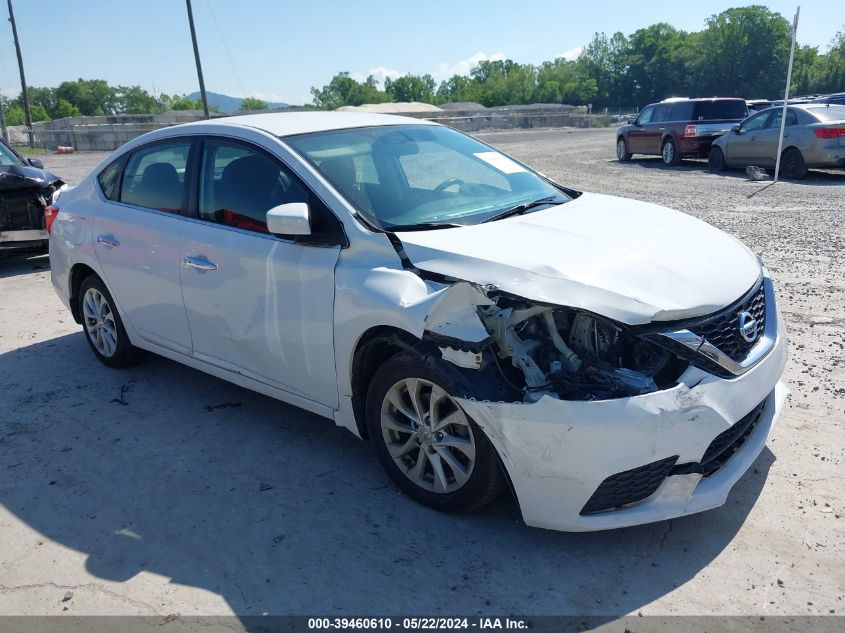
[
  {"x": 108, "y": 240},
  {"x": 199, "y": 262}
]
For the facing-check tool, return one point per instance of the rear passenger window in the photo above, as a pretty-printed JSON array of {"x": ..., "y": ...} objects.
[
  {"x": 155, "y": 176},
  {"x": 110, "y": 176},
  {"x": 682, "y": 111}
]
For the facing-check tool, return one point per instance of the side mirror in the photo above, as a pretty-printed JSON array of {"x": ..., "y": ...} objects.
[
  {"x": 35, "y": 162},
  {"x": 630, "y": 121},
  {"x": 292, "y": 218},
  {"x": 735, "y": 129}
]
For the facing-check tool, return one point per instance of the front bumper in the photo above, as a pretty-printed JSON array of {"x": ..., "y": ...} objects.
[
  {"x": 22, "y": 239},
  {"x": 557, "y": 452}
]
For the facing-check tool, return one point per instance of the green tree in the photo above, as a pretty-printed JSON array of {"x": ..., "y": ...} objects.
[
  {"x": 252, "y": 104},
  {"x": 91, "y": 96},
  {"x": 14, "y": 114},
  {"x": 134, "y": 100},
  {"x": 411, "y": 88},
  {"x": 343, "y": 90},
  {"x": 744, "y": 52},
  {"x": 65, "y": 109}
]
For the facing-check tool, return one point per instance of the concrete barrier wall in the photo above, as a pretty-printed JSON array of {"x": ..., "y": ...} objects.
[{"x": 107, "y": 133}]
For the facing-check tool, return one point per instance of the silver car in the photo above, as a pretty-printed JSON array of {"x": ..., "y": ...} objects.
[{"x": 814, "y": 136}]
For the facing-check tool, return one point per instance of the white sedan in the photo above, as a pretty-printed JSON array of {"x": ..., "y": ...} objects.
[{"x": 614, "y": 362}]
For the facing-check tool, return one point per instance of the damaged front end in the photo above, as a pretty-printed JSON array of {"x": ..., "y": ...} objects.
[
  {"x": 24, "y": 193},
  {"x": 563, "y": 352}
]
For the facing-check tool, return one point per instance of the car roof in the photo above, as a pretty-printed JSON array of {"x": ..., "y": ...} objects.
[{"x": 288, "y": 123}]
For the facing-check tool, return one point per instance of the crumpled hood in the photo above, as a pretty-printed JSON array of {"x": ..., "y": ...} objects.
[
  {"x": 14, "y": 177},
  {"x": 627, "y": 260}
]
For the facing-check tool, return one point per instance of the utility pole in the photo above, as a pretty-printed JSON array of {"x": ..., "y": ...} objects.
[
  {"x": 196, "y": 57},
  {"x": 26, "y": 112}
]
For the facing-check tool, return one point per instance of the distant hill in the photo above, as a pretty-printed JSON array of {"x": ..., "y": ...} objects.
[{"x": 225, "y": 103}]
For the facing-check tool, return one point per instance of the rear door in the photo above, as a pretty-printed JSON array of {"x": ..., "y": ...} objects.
[
  {"x": 136, "y": 239},
  {"x": 259, "y": 304}
]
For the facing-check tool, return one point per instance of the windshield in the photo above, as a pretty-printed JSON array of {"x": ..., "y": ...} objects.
[
  {"x": 422, "y": 176},
  {"x": 8, "y": 157}
]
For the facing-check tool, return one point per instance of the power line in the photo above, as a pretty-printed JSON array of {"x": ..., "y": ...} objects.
[{"x": 226, "y": 48}]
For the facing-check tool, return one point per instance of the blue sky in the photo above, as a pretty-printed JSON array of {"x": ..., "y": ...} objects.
[{"x": 278, "y": 49}]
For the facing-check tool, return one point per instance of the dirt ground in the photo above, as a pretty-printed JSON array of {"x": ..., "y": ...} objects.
[{"x": 161, "y": 490}]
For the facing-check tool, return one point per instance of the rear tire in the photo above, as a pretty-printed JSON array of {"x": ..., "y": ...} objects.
[
  {"x": 669, "y": 153},
  {"x": 412, "y": 418},
  {"x": 792, "y": 164},
  {"x": 622, "y": 152},
  {"x": 103, "y": 326},
  {"x": 716, "y": 160}
]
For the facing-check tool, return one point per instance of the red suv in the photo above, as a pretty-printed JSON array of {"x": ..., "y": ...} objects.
[{"x": 676, "y": 128}]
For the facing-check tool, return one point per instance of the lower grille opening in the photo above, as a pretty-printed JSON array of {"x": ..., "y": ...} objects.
[
  {"x": 630, "y": 486},
  {"x": 725, "y": 445}
]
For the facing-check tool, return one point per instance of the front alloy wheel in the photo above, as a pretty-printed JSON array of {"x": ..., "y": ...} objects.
[
  {"x": 434, "y": 452},
  {"x": 622, "y": 152},
  {"x": 427, "y": 435}
]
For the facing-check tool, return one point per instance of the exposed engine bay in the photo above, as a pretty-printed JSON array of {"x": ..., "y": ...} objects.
[
  {"x": 24, "y": 193},
  {"x": 573, "y": 354}
]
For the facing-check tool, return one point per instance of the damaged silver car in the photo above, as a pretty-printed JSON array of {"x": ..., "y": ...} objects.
[{"x": 613, "y": 362}]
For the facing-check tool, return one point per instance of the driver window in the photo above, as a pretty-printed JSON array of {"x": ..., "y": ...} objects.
[
  {"x": 755, "y": 123},
  {"x": 238, "y": 186},
  {"x": 432, "y": 166},
  {"x": 645, "y": 115}
]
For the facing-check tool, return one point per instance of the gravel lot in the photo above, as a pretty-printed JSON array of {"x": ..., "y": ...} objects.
[{"x": 160, "y": 490}]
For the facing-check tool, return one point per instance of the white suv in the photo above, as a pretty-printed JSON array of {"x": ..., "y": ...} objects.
[{"x": 616, "y": 362}]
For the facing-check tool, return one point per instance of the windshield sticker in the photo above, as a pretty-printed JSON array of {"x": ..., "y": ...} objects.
[{"x": 500, "y": 162}]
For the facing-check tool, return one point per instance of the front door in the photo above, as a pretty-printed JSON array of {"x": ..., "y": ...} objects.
[
  {"x": 136, "y": 240},
  {"x": 258, "y": 304},
  {"x": 637, "y": 136},
  {"x": 743, "y": 146}
]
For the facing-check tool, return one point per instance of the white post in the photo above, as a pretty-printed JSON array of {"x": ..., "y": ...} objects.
[{"x": 786, "y": 93}]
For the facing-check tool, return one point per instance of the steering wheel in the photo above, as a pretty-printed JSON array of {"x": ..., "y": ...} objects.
[{"x": 448, "y": 183}]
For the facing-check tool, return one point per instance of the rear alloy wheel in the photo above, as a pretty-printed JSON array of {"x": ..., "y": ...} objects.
[
  {"x": 716, "y": 160},
  {"x": 669, "y": 153},
  {"x": 622, "y": 152},
  {"x": 103, "y": 327},
  {"x": 427, "y": 444},
  {"x": 792, "y": 164}
]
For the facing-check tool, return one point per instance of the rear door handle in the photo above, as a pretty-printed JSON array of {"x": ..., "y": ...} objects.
[
  {"x": 108, "y": 240},
  {"x": 199, "y": 262}
]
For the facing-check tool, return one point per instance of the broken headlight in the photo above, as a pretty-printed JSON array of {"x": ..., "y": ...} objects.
[{"x": 575, "y": 354}]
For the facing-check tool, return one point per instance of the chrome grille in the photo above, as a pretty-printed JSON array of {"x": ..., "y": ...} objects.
[{"x": 722, "y": 330}]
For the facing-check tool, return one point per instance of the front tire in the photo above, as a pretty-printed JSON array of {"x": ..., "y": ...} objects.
[
  {"x": 434, "y": 452},
  {"x": 622, "y": 152},
  {"x": 792, "y": 164},
  {"x": 103, "y": 326},
  {"x": 716, "y": 160},
  {"x": 669, "y": 153}
]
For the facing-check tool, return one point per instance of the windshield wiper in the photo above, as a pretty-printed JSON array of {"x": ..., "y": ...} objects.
[
  {"x": 523, "y": 207},
  {"x": 422, "y": 226}
]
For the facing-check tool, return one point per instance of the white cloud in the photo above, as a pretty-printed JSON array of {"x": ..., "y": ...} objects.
[
  {"x": 380, "y": 73},
  {"x": 464, "y": 66},
  {"x": 572, "y": 54}
]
